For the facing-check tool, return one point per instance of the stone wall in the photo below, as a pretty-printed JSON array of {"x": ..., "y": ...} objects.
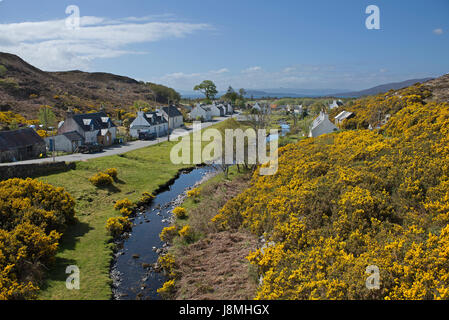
[{"x": 34, "y": 170}]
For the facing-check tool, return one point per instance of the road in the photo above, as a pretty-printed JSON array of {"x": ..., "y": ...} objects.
[{"x": 115, "y": 150}]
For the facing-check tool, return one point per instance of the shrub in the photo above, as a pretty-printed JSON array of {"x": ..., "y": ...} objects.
[
  {"x": 117, "y": 226},
  {"x": 126, "y": 212},
  {"x": 112, "y": 172},
  {"x": 167, "y": 289},
  {"x": 193, "y": 193},
  {"x": 33, "y": 217},
  {"x": 180, "y": 213},
  {"x": 2, "y": 70},
  {"x": 125, "y": 203},
  {"x": 168, "y": 234},
  {"x": 101, "y": 180},
  {"x": 168, "y": 264},
  {"x": 186, "y": 234},
  {"x": 145, "y": 199},
  {"x": 342, "y": 202}
]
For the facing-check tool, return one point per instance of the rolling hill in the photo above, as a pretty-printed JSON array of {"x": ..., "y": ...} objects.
[
  {"x": 380, "y": 89},
  {"x": 24, "y": 88}
]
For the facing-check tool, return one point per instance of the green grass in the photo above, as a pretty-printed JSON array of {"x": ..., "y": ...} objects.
[{"x": 87, "y": 244}]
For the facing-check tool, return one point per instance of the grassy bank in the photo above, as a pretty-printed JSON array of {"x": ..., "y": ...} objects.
[
  {"x": 214, "y": 266},
  {"x": 86, "y": 244}
]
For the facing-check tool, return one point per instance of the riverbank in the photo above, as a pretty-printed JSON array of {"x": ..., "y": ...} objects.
[
  {"x": 87, "y": 244},
  {"x": 214, "y": 266}
]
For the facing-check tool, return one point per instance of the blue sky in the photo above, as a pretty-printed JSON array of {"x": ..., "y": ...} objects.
[{"x": 247, "y": 43}]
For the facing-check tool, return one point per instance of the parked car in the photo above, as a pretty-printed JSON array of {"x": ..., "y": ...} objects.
[
  {"x": 147, "y": 136},
  {"x": 90, "y": 148}
]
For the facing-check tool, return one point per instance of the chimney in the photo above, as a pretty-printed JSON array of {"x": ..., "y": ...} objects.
[{"x": 69, "y": 113}]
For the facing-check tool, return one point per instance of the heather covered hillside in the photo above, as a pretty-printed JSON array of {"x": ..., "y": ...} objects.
[
  {"x": 345, "y": 201},
  {"x": 24, "y": 88}
]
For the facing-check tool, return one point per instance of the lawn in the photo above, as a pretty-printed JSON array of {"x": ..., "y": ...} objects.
[{"x": 87, "y": 244}]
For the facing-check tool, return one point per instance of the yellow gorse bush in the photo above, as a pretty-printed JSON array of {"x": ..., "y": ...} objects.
[
  {"x": 101, "y": 179},
  {"x": 180, "y": 213},
  {"x": 345, "y": 201},
  {"x": 186, "y": 233},
  {"x": 33, "y": 216},
  {"x": 168, "y": 234},
  {"x": 118, "y": 225}
]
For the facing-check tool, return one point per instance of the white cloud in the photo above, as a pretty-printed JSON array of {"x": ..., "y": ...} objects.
[
  {"x": 347, "y": 77},
  {"x": 252, "y": 69},
  {"x": 50, "y": 45},
  {"x": 438, "y": 31},
  {"x": 224, "y": 70}
]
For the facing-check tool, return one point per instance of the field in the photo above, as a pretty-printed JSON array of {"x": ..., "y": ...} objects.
[{"x": 86, "y": 244}]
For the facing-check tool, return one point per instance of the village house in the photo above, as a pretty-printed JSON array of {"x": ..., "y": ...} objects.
[
  {"x": 93, "y": 127},
  {"x": 173, "y": 116},
  {"x": 322, "y": 125},
  {"x": 229, "y": 109},
  {"x": 150, "y": 122},
  {"x": 66, "y": 142},
  {"x": 335, "y": 104},
  {"x": 342, "y": 116},
  {"x": 22, "y": 144},
  {"x": 201, "y": 113},
  {"x": 217, "y": 110},
  {"x": 257, "y": 107}
]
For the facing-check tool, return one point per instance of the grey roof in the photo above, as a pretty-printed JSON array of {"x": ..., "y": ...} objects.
[
  {"x": 22, "y": 138},
  {"x": 99, "y": 120},
  {"x": 172, "y": 111},
  {"x": 73, "y": 136},
  {"x": 343, "y": 115},
  {"x": 147, "y": 119}
]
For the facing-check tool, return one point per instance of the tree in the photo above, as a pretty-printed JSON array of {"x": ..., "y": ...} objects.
[
  {"x": 163, "y": 94},
  {"x": 231, "y": 95},
  {"x": 242, "y": 93},
  {"x": 46, "y": 117},
  {"x": 208, "y": 88}
]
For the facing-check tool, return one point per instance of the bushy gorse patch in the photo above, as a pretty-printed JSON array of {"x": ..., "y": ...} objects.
[
  {"x": 180, "y": 213},
  {"x": 101, "y": 179},
  {"x": 118, "y": 225},
  {"x": 345, "y": 201},
  {"x": 33, "y": 216}
]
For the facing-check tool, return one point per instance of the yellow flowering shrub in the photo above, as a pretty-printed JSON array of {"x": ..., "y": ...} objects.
[
  {"x": 180, "y": 213},
  {"x": 186, "y": 233},
  {"x": 167, "y": 289},
  {"x": 33, "y": 216},
  {"x": 194, "y": 194},
  {"x": 118, "y": 225},
  {"x": 112, "y": 172},
  {"x": 101, "y": 179},
  {"x": 125, "y": 203},
  {"x": 168, "y": 234},
  {"x": 345, "y": 201},
  {"x": 168, "y": 264},
  {"x": 145, "y": 199}
]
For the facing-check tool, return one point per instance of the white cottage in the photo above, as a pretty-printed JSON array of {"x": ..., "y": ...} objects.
[
  {"x": 201, "y": 113},
  {"x": 217, "y": 110},
  {"x": 342, "y": 116},
  {"x": 322, "y": 125},
  {"x": 173, "y": 116},
  {"x": 335, "y": 104},
  {"x": 93, "y": 127},
  {"x": 151, "y": 122}
]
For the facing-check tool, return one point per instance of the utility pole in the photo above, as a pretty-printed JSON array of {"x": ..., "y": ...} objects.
[{"x": 168, "y": 116}]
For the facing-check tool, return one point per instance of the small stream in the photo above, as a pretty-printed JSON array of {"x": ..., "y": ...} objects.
[{"x": 132, "y": 271}]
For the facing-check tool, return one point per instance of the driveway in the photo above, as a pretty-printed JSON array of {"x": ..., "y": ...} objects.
[{"x": 115, "y": 150}]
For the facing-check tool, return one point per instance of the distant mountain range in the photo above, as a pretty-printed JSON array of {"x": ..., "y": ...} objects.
[
  {"x": 380, "y": 89},
  {"x": 311, "y": 93}
]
